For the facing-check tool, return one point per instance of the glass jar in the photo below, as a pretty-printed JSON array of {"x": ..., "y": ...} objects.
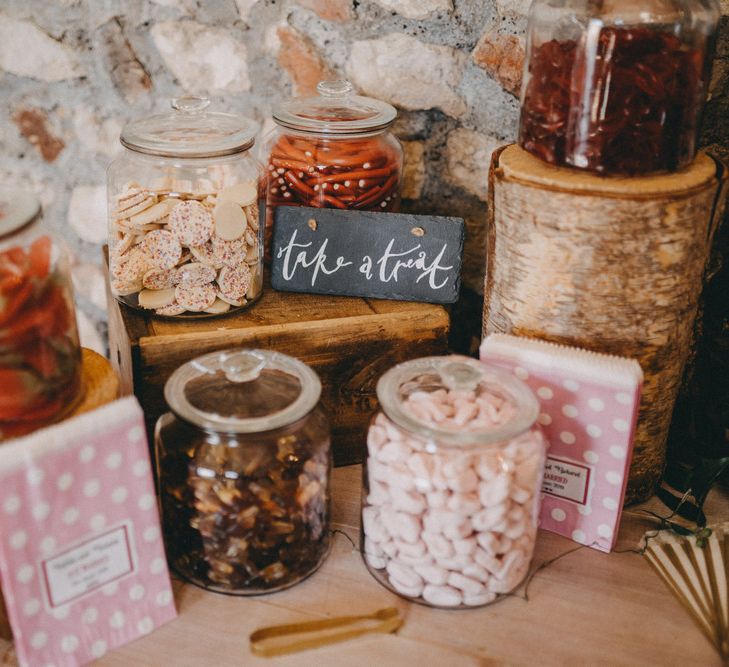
[
  {"x": 333, "y": 150},
  {"x": 617, "y": 86},
  {"x": 243, "y": 466},
  {"x": 452, "y": 482},
  {"x": 185, "y": 205},
  {"x": 40, "y": 356}
]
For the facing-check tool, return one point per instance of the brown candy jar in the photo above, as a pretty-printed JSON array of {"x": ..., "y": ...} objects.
[
  {"x": 616, "y": 86},
  {"x": 333, "y": 150},
  {"x": 244, "y": 464}
]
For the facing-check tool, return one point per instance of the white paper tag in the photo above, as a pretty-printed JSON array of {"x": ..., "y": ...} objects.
[
  {"x": 567, "y": 479},
  {"x": 89, "y": 565}
]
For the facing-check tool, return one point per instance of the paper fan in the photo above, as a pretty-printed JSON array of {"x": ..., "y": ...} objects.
[{"x": 696, "y": 573}]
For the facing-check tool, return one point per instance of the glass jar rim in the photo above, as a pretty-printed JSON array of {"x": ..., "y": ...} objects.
[
  {"x": 190, "y": 131},
  {"x": 18, "y": 210},
  {"x": 458, "y": 370},
  {"x": 336, "y": 110},
  {"x": 242, "y": 365}
]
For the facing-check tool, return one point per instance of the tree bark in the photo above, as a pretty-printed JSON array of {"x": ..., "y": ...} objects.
[{"x": 613, "y": 265}]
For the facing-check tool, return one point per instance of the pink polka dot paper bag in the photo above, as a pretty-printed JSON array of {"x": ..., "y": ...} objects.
[
  {"x": 82, "y": 562},
  {"x": 589, "y": 408}
]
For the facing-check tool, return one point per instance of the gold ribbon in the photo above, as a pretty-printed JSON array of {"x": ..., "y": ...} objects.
[{"x": 275, "y": 640}]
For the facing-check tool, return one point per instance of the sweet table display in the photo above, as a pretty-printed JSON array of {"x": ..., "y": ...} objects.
[{"x": 494, "y": 480}]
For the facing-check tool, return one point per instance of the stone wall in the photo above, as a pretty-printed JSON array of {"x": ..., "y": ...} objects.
[{"x": 73, "y": 71}]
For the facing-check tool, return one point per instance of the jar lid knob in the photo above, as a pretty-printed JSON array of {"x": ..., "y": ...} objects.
[
  {"x": 334, "y": 88},
  {"x": 461, "y": 377},
  {"x": 190, "y": 104},
  {"x": 242, "y": 366}
]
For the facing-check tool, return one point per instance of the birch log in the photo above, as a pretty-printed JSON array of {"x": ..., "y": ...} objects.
[{"x": 613, "y": 265}]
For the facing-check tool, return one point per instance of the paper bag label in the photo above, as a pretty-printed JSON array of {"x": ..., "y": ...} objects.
[
  {"x": 88, "y": 566},
  {"x": 567, "y": 480}
]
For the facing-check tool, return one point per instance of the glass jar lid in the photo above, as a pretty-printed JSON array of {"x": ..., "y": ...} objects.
[
  {"x": 190, "y": 131},
  {"x": 335, "y": 110},
  {"x": 243, "y": 391},
  {"x": 472, "y": 380},
  {"x": 18, "y": 208}
]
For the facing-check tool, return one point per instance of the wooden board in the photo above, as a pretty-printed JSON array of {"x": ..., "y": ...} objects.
[
  {"x": 350, "y": 342},
  {"x": 610, "y": 265},
  {"x": 587, "y": 608}
]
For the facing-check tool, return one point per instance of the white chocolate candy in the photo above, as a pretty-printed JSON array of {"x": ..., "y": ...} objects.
[
  {"x": 442, "y": 596},
  {"x": 452, "y": 526}
]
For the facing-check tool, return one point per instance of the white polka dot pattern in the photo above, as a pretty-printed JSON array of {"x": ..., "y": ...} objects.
[
  {"x": 25, "y": 574},
  {"x": 98, "y": 649},
  {"x": 589, "y": 426},
  {"x": 11, "y": 505},
  {"x": 18, "y": 539},
  {"x": 558, "y": 514},
  {"x": 117, "y": 620},
  {"x": 567, "y": 437},
  {"x": 545, "y": 393},
  {"x": 593, "y": 431},
  {"x": 69, "y": 643},
  {"x": 76, "y": 491},
  {"x": 35, "y": 476},
  {"x": 570, "y": 411},
  {"x": 41, "y": 511},
  {"x": 591, "y": 457},
  {"x": 32, "y": 607},
  {"x": 65, "y": 481}
]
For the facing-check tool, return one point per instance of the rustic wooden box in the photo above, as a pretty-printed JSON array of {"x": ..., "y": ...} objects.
[{"x": 350, "y": 342}]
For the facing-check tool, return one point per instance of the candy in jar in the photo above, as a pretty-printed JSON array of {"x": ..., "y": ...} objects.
[
  {"x": 452, "y": 482},
  {"x": 333, "y": 150},
  {"x": 244, "y": 464},
  {"x": 185, "y": 201},
  {"x": 617, "y": 86},
  {"x": 40, "y": 356}
]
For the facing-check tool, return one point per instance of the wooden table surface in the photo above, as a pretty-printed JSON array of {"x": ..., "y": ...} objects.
[{"x": 588, "y": 607}]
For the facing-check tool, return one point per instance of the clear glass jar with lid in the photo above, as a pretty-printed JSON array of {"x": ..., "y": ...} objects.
[
  {"x": 452, "y": 482},
  {"x": 186, "y": 204},
  {"x": 243, "y": 465},
  {"x": 40, "y": 355},
  {"x": 617, "y": 86},
  {"x": 333, "y": 150}
]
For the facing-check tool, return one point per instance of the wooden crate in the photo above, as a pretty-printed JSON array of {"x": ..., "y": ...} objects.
[{"x": 350, "y": 342}]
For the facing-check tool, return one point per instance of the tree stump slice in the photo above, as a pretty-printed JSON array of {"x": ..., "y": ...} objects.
[
  {"x": 613, "y": 265},
  {"x": 100, "y": 382}
]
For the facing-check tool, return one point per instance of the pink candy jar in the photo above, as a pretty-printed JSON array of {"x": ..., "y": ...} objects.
[{"x": 452, "y": 482}]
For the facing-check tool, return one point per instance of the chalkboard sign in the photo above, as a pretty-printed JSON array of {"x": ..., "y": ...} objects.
[{"x": 368, "y": 254}]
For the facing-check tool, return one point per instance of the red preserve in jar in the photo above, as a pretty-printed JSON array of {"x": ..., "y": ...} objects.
[
  {"x": 333, "y": 150},
  {"x": 616, "y": 86},
  {"x": 40, "y": 356}
]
